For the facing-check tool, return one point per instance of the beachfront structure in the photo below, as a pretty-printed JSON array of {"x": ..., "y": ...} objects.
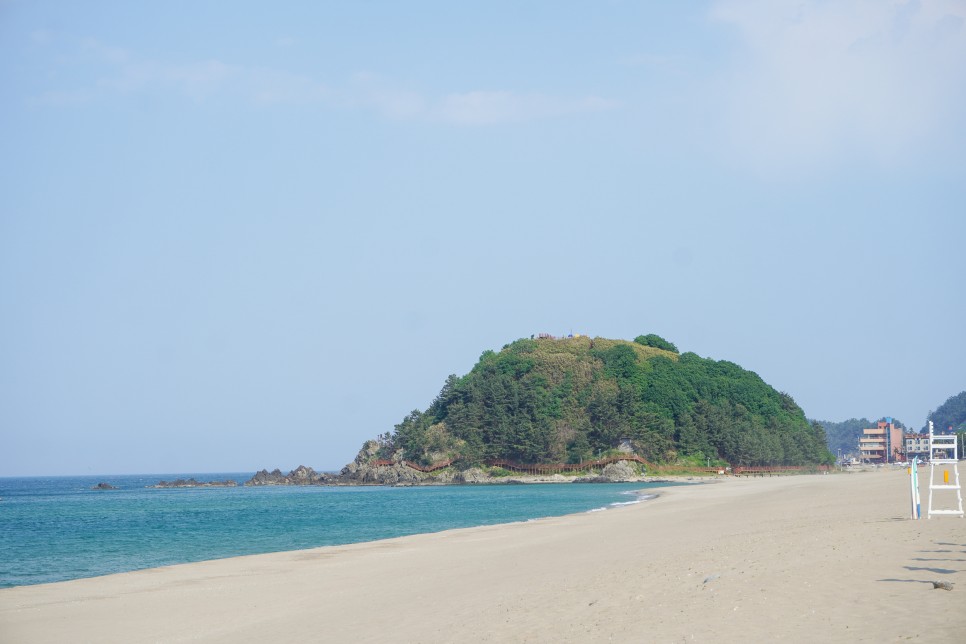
[
  {"x": 944, "y": 456},
  {"x": 917, "y": 445},
  {"x": 882, "y": 443}
]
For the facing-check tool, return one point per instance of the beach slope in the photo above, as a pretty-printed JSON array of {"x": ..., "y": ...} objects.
[{"x": 800, "y": 558}]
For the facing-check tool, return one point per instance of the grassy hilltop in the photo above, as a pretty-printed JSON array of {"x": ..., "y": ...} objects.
[{"x": 570, "y": 399}]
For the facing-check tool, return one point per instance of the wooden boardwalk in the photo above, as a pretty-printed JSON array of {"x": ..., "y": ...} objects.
[
  {"x": 524, "y": 468},
  {"x": 776, "y": 470},
  {"x": 559, "y": 468},
  {"x": 416, "y": 466},
  {"x": 538, "y": 469}
]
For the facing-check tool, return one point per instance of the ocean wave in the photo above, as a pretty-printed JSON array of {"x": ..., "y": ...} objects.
[{"x": 638, "y": 498}]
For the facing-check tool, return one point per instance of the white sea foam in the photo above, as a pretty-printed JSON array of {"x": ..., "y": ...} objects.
[{"x": 637, "y": 499}]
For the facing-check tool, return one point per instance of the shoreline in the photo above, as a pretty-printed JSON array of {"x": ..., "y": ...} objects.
[
  {"x": 798, "y": 557},
  {"x": 305, "y": 517}
]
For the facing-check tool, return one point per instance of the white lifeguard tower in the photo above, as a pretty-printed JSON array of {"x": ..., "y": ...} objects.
[{"x": 944, "y": 454}]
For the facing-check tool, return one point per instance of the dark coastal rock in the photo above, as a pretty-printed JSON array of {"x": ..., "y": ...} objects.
[
  {"x": 103, "y": 486},
  {"x": 592, "y": 479},
  {"x": 301, "y": 475},
  {"x": 395, "y": 474},
  {"x": 193, "y": 483},
  {"x": 264, "y": 477},
  {"x": 472, "y": 475},
  {"x": 366, "y": 469},
  {"x": 356, "y": 470},
  {"x": 619, "y": 471},
  {"x": 372, "y": 467}
]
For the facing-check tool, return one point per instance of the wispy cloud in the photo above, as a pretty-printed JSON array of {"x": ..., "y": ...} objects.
[
  {"x": 121, "y": 73},
  {"x": 874, "y": 79}
]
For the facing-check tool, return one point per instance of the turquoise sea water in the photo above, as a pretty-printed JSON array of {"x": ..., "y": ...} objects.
[{"x": 55, "y": 529}]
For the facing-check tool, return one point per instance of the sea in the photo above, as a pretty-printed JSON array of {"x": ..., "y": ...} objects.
[{"x": 58, "y": 528}]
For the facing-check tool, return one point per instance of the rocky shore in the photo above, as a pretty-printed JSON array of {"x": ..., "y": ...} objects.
[
  {"x": 367, "y": 469},
  {"x": 301, "y": 475}
]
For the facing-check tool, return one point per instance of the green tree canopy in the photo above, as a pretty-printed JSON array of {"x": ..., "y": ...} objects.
[
  {"x": 951, "y": 413},
  {"x": 558, "y": 400},
  {"x": 652, "y": 340}
]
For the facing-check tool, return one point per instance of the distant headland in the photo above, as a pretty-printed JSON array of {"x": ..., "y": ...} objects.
[{"x": 577, "y": 408}]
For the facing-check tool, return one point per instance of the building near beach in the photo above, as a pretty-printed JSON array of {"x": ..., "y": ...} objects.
[
  {"x": 917, "y": 445},
  {"x": 882, "y": 443}
]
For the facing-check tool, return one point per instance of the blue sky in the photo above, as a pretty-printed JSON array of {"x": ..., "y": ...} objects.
[{"x": 256, "y": 237}]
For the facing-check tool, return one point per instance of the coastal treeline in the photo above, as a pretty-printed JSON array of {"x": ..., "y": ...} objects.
[
  {"x": 843, "y": 437},
  {"x": 951, "y": 413},
  {"x": 572, "y": 399}
]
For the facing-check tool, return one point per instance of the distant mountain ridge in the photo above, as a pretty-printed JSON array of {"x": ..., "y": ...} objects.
[
  {"x": 559, "y": 400},
  {"x": 843, "y": 437},
  {"x": 951, "y": 413}
]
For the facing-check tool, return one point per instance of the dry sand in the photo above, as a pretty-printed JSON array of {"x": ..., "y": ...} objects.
[{"x": 802, "y": 559}]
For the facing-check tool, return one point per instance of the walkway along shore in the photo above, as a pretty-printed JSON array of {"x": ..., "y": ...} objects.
[{"x": 559, "y": 468}]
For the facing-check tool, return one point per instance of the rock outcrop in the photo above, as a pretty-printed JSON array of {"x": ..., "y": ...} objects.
[
  {"x": 619, "y": 471},
  {"x": 103, "y": 486},
  {"x": 370, "y": 474},
  {"x": 366, "y": 469},
  {"x": 472, "y": 475},
  {"x": 301, "y": 475},
  {"x": 370, "y": 467}
]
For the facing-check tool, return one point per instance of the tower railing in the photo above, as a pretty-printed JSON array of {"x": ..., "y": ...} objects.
[{"x": 943, "y": 453}]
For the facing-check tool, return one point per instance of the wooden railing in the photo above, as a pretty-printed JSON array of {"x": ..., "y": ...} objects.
[
  {"x": 528, "y": 468},
  {"x": 741, "y": 470},
  {"x": 558, "y": 468},
  {"x": 416, "y": 466}
]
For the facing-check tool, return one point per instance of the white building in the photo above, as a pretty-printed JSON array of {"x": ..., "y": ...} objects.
[{"x": 917, "y": 445}]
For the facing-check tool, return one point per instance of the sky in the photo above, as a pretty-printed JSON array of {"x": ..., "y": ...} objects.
[{"x": 254, "y": 235}]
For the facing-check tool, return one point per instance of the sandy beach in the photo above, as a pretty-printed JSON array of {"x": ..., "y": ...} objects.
[{"x": 800, "y": 558}]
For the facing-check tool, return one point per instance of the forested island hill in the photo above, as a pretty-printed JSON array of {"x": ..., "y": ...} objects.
[{"x": 573, "y": 400}]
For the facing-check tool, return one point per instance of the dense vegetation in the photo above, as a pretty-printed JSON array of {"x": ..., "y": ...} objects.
[
  {"x": 571, "y": 399},
  {"x": 951, "y": 413}
]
